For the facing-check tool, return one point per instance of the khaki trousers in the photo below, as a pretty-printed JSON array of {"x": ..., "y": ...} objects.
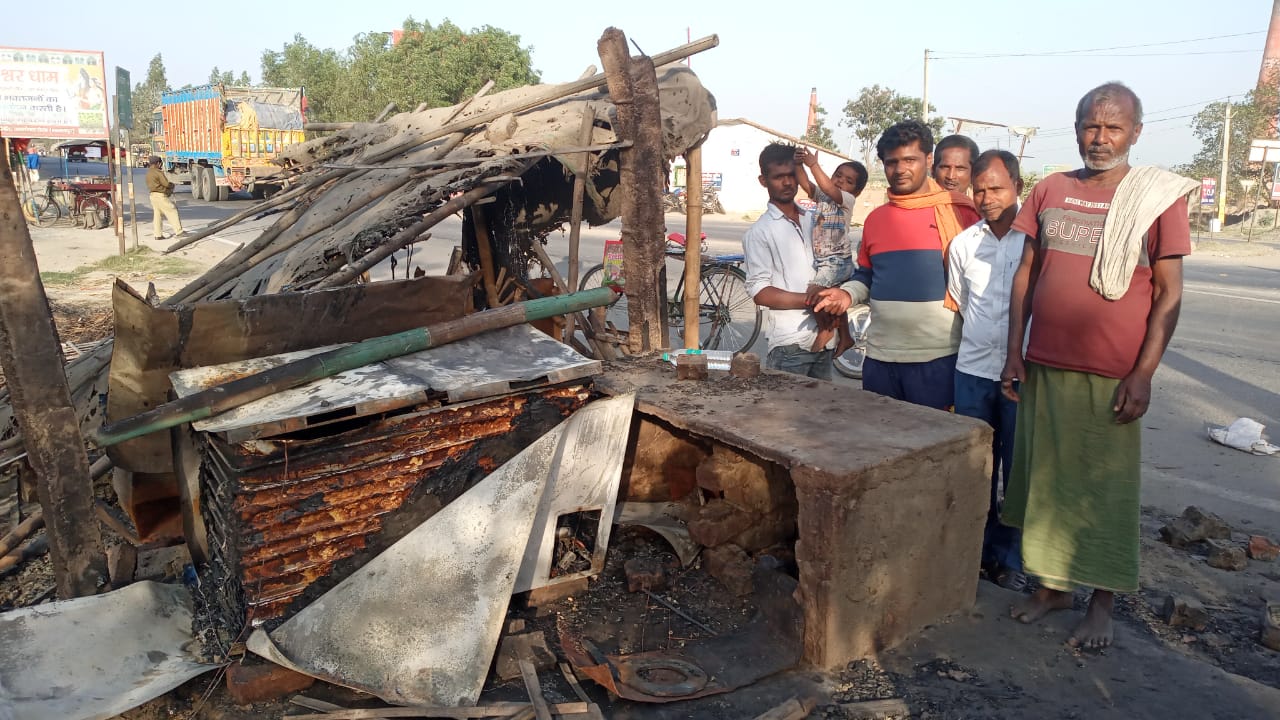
[{"x": 162, "y": 205}]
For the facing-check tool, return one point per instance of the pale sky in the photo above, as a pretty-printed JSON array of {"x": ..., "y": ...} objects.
[{"x": 769, "y": 54}]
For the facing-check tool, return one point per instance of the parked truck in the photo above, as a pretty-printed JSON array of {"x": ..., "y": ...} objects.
[{"x": 222, "y": 139}]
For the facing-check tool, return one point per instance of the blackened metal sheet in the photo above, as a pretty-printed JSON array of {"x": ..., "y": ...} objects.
[
  {"x": 486, "y": 365},
  {"x": 288, "y": 518}
]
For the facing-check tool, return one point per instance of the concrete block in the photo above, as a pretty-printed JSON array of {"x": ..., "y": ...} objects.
[
  {"x": 661, "y": 465},
  {"x": 892, "y": 498},
  {"x": 255, "y": 682},
  {"x": 530, "y": 646}
]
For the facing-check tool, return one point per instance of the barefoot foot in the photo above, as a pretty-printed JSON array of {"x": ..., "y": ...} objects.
[
  {"x": 1095, "y": 632},
  {"x": 1041, "y": 603},
  {"x": 843, "y": 345}
]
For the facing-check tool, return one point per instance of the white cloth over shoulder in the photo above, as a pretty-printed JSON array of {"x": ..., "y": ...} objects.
[{"x": 1141, "y": 197}]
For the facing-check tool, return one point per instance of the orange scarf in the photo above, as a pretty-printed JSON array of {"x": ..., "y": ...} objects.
[{"x": 943, "y": 203}]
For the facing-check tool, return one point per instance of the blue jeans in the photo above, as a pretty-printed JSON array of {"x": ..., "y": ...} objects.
[
  {"x": 931, "y": 383},
  {"x": 981, "y": 398},
  {"x": 800, "y": 361}
]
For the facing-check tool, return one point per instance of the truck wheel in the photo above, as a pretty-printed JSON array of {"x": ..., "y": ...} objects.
[
  {"x": 221, "y": 192},
  {"x": 210, "y": 189},
  {"x": 197, "y": 182},
  {"x": 258, "y": 191}
]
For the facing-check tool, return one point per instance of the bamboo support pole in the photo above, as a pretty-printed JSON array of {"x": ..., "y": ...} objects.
[
  {"x": 219, "y": 399},
  {"x": 275, "y": 201},
  {"x": 30, "y": 551},
  {"x": 24, "y": 530},
  {"x": 454, "y": 162},
  {"x": 693, "y": 248},
  {"x": 546, "y": 262},
  {"x": 484, "y": 247},
  {"x": 585, "y": 134}
]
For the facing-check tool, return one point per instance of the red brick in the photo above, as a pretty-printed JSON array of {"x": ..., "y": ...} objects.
[
  {"x": 644, "y": 574},
  {"x": 748, "y": 482},
  {"x": 255, "y": 682},
  {"x": 691, "y": 367},
  {"x": 1261, "y": 548},
  {"x": 731, "y": 566},
  {"x": 718, "y": 522},
  {"x": 745, "y": 365}
]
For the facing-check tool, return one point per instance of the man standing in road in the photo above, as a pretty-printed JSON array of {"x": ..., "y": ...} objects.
[
  {"x": 953, "y": 162},
  {"x": 160, "y": 188},
  {"x": 912, "y": 343},
  {"x": 980, "y": 266},
  {"x": 1101, "y": 275},
  {"x": 779, "y": 259}
]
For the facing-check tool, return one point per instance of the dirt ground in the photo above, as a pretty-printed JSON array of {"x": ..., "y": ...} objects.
[{"x": 978, "y": 664}]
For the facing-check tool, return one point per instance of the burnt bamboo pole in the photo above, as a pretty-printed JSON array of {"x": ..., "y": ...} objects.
[
  {"x": 34, "y": 372},
  {"x": 484, "y": 248},
  {"x": 275, "y": 201},
  {"x": 693, "y": 248},
  {"x": 219, "y": 399},
  {"x": 585, "y": 134},
  {"x": 24, "y": 530},
  {"x": 406, "y": 236}
]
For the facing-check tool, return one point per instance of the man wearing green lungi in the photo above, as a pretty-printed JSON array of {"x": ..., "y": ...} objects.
[{"x": 1100, "y": 281}]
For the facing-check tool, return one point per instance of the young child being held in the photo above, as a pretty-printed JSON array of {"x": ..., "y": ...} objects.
[{"x": 833, "y": 250}]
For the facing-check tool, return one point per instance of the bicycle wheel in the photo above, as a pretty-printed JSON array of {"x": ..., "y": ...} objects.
[
  {"x": 728, "y": 316},
  {"x": 45, "y": 211},
  {"x": 850, "y": 363},
  {"x": 615, "y": 314}
]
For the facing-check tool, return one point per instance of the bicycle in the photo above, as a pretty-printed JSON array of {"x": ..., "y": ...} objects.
[
  {"x": 850, "y": 363},
  {"x": 728, "y": 316},
  {"x": 88, "y": 207}
]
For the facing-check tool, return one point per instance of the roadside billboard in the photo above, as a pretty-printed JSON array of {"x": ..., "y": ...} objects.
[
  {"x": 1208, "y": 191},
  {"x": 52, "y": 94}
]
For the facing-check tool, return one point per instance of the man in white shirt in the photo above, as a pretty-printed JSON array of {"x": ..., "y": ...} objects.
[
  {"x": 779, "y": 257},
  {"x": 981, "y": 263}
]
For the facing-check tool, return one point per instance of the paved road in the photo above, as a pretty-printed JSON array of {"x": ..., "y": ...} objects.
[{"x": 1223, "y": 363}]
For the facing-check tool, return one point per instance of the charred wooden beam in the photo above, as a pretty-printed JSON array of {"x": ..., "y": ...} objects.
[{"x": 33, "y": 368}]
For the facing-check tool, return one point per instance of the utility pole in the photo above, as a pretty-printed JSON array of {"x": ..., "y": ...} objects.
[
  {"x": 1222, "y": 182},
  {"x": 924, "y": 96}
]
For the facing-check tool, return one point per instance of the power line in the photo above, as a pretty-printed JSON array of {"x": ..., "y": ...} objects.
[
  {"x": 959, "y": 54},
  {"x": 1145, "y": 122},
  {"x": 1070, "y": 129},
  {"x": 1067, "y": 54}
]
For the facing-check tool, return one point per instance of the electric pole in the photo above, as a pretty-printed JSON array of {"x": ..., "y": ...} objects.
[
  {"x": 1222, "y": 182},
  {"x": 924, "y": 97}
]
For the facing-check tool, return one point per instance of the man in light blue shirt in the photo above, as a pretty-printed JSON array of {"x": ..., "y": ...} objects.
[
  {"x": 981, "y": 263},
  {"x": 779, "y": 257}
]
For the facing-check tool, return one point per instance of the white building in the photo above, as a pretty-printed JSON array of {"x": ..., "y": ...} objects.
[{"x": 731, "y": 159}]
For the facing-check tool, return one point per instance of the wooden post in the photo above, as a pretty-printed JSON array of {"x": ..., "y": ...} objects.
[
  {"x": 693, "y": 247},
  {"x": 33, "y": 368},
  {"x": 133, "y": 205},
  {"x": 579, "y": 192},
  {"x": 633, "y": 88},
  {"x": 484, "y": 245}
]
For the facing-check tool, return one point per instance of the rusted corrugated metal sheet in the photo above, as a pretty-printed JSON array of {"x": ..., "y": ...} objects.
[{"x": 288, "y": 518}]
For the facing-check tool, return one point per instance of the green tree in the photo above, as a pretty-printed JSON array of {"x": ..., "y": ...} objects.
[
  {"x": 1251, "y": 118},
  {"x": 228, "y": 77},
  {"x": 436, "y": 65},
  {"x": 146, "y": 96},
  {"x": 875, "y": 109},
  {"x": 820, "y": 135}
]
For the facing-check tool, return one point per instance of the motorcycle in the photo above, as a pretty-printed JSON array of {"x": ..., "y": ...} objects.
[{"x": 850, "y": 363}]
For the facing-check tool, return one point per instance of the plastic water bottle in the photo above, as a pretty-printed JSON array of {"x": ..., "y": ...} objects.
[{"x": 716, "y": 359}]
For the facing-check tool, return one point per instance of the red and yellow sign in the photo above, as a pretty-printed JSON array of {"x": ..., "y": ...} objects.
[{"x": 52, "y": 94}]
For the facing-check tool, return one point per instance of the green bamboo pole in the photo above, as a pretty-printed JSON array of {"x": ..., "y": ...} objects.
[{"x": 221, "y": 398}]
